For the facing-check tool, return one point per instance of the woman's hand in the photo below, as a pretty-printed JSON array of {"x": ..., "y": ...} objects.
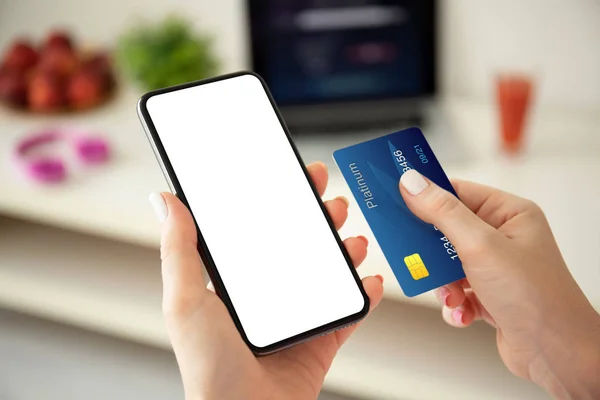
[
  {"x": 517, "y": 281},
  {"x": 214, "y": 361}
]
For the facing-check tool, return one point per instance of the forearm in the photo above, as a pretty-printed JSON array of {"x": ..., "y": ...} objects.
[{"x": 569, "y": 367}]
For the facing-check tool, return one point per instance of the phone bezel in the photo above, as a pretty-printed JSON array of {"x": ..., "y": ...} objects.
[{"x": 205, "y": 255}]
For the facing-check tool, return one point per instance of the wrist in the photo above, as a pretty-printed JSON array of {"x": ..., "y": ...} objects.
[{"x": 569, "y": 365}]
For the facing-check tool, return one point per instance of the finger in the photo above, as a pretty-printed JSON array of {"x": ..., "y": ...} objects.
[
  {"x": 357, "y": 249},
  {"x": 461, "y": 316},
  {"x": 481, "y": 313},
  {"x": 470, "y": 311},
  {"x": 318, "y": 174},
  {"x": 338, "y": 210},
  {"x": 183, "y": 279},
  {"x": 374, "y": 288},
  {"x": 451, "y": 295},
  {"x": 474, "y": 195},
  {"x": 492, "y": 205},
  {"x": 439, "y": 207}
]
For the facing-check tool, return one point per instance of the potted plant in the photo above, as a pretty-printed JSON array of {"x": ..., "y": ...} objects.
[{"x": 170, "y": 52}]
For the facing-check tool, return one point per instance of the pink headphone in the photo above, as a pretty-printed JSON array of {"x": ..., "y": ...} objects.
[{"x": 89, "y": 150}]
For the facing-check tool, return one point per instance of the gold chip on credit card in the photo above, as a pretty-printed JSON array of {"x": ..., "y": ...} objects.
[{"x": 416, "y": 266}]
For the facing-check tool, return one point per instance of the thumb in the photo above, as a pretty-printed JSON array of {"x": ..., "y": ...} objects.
[
  {"x": 441, "y": 208},
  {"x": 183, "y": 279}
]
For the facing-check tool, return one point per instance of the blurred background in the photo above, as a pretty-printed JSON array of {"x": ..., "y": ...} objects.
[{"x": 507, "y": 93}]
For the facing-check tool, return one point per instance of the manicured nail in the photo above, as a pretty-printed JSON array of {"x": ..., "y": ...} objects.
[
  {"x": 444, "y": 294},
  {"x": 343, "y": 199},
  {"x": 457, "y": 315},
  {"x": 210, "y": 286},
  {"x": 413, "y": 182},
  {"x": 159, "y": 205},
  {"x": 380, "y": 278},
  {"x": 364, "y": 239}
]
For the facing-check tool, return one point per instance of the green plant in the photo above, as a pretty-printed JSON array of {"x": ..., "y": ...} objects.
[{"x": 167, "y": 53}]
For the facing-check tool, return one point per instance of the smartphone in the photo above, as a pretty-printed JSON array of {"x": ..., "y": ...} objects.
[{"x": 264, "y": 235}]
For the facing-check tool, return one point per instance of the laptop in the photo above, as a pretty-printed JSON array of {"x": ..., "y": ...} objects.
[{"x": 343, "y": 71}]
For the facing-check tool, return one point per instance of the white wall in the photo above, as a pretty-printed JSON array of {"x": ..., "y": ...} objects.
[{"x": 559, "y": 38}]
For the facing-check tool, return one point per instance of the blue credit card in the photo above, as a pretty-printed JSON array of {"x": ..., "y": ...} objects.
[{"x": 420, "y": 256}]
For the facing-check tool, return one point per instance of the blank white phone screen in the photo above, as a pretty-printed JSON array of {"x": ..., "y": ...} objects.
[{"x": 270, "y": 242}]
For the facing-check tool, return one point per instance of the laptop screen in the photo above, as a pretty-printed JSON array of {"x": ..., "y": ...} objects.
[{"x": 330, "y": 51}]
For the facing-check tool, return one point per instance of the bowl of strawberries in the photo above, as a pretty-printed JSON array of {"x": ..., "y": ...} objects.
[{"x": 54, "y": 76}]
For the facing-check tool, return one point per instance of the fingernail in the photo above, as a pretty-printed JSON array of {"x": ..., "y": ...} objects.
[
  {"x": 457, "y": 316},
  {"x": 444, "y": 295},
  {"x": 413, "y": 182},
  {"x": 158, "y": 204},
  {"x": 364, "y": 239},
  {"x": 380, "y": 278},
  {"x": 210, "y": 286},
  {"x": 344, "y": 199}
]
